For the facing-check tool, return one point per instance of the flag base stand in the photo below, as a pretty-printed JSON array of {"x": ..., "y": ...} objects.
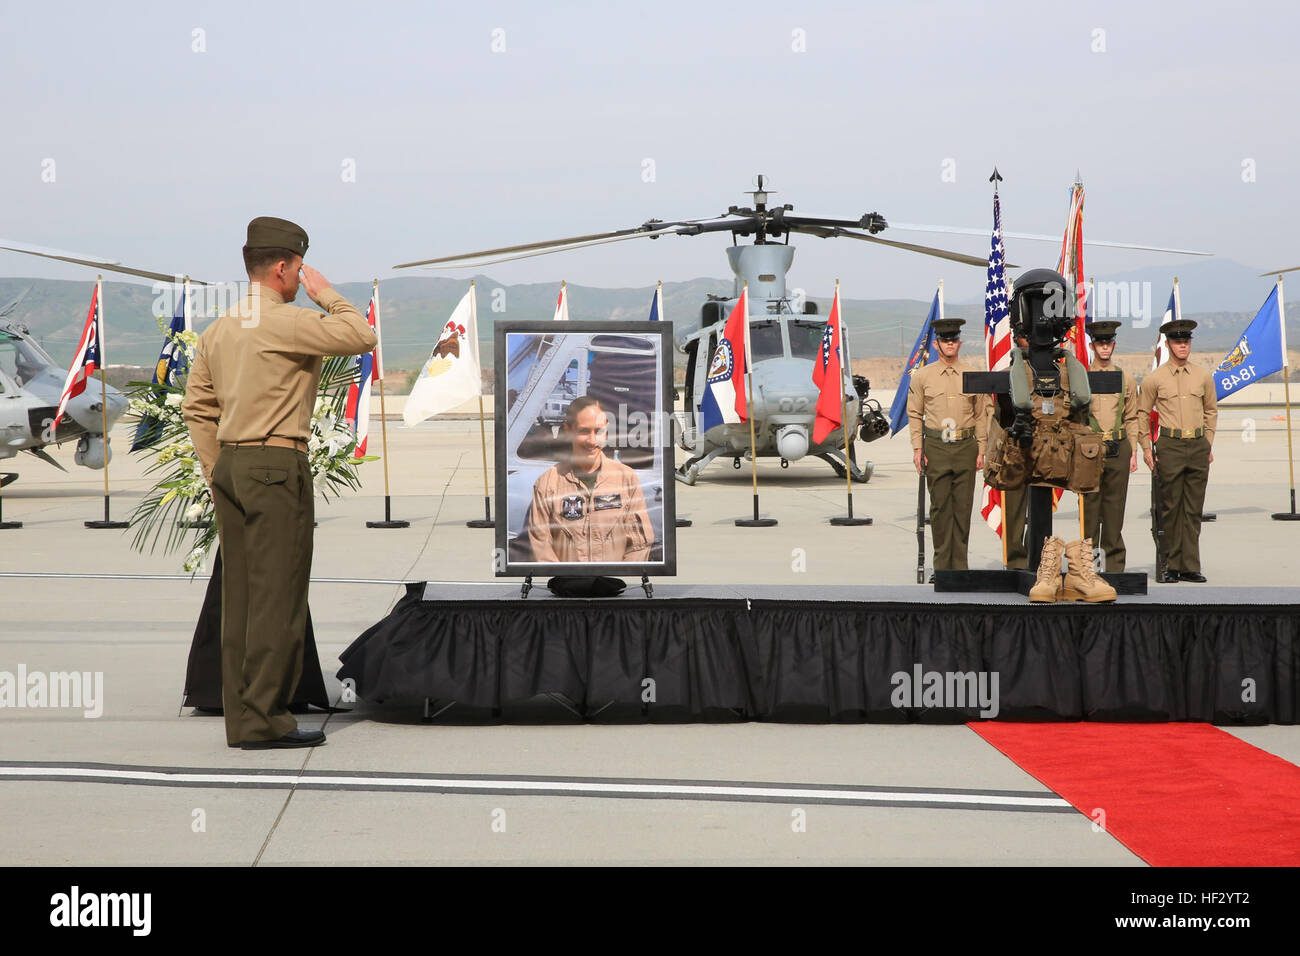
[
  {"x": 684, "y": 523},
  {"x": 756, "y": 521},
  {"x": 841, "y": 521},
  {"x": 7, "y": 525},
  {"x": 484, "y": 522},
  {"x": 107, "y": 522},
  {"x": 1280, "y": 516},
  {"x": 388, "y": 521}
]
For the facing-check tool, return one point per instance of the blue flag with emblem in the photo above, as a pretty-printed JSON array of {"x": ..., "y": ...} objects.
[
  {"x": 172, "y": 363},
  {"x": 923, "y": 352},
  {"x": 1259, "y": 352}
]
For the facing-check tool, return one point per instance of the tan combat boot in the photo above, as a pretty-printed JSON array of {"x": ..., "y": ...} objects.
[
  {"x": 1047, "y": 588},
  {"x": 1081, "y": 580}
]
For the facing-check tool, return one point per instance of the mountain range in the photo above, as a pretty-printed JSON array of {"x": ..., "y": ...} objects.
[{"x": 1221, "y": 295}]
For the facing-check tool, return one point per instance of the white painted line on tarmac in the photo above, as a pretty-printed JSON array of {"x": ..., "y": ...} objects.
[{"x": 540, "y": 786}]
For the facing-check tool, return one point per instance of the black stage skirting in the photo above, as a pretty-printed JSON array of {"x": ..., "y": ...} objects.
[{"x": 814, "y": 655}]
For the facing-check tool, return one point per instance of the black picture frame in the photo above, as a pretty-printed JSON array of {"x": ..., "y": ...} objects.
[{"x": 513, "y": 471}]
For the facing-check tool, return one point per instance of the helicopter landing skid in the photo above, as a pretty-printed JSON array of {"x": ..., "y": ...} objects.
[
  {"x": 836, "y": 460},
  {"x": 690, "y": 472}
]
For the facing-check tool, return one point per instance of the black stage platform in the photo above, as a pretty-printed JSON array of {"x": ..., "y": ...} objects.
[{"x": 1181, "y": 652}]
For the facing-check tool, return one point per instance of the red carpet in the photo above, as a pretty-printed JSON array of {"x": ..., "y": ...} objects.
[{"x": 1174, "y": 794}]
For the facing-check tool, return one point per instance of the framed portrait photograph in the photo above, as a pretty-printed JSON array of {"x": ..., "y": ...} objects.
[{"x": 584, "y": 482}]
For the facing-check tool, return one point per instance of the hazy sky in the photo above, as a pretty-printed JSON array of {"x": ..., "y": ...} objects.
[{"x": 162, "y": 154}]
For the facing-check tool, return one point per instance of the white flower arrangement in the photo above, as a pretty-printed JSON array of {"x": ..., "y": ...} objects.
[{"x": 179, "y": 502}]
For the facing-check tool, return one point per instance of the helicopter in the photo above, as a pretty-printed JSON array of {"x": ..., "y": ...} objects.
[
  {"x": 31, "y": 384},
  {"x": 786, "y": 334}
]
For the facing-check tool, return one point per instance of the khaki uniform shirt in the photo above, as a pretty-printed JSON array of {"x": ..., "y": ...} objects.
[
  {"x": 1105, "y": 408},
  {"x": 572, "y": 523},
  {"x": 1182, "y": 397},
  {"x": 935, "y": 400},
  {"x": 256, "y": 369}
]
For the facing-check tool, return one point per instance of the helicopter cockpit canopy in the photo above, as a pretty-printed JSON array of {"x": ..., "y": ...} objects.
[{"x": 21, "y": 359}]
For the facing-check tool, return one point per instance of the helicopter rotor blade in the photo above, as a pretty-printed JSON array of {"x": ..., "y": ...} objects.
[
  {"x": 107, "y": 265},
  {"x": 650, "y": 226},
  {"x": 547, "y": 252},
  {"x": 832, "y": 232},
  {"x": 1273, "y": 272},
  {"x": 1036, "y": 237},
  {"x": 649, "y": 230},
  {"x": 9, "y": 307}
]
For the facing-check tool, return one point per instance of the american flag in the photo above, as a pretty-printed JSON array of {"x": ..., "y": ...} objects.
[{"x": 997, "y": 340}]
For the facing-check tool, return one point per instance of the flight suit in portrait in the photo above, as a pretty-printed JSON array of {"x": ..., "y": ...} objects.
[
  {"x": 951, "y": 428},
  {"x": 1184, "y": 398},
  {"x": 593, "y": 522}
]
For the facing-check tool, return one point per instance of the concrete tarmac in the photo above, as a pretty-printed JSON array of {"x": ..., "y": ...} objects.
[{"x": 74, "y": 599}]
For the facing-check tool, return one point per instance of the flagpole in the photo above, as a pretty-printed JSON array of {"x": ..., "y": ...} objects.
[
  {"x": 659, "y": 314},
  {"x": 103, "y": 401},
  {"x": 839, "y": 520},
  {"x": 486, "y": 521},
  {"x": 756, "y": 521},
  {"x": 377, "y": 371},
  {"x": 1286, "y": 391},
  {"x": 1083, "y": 524},
  {"x": 185, "y": 306}
]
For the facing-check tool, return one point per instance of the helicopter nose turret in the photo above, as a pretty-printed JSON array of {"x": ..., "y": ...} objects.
[{"x": 792, "y": 441}]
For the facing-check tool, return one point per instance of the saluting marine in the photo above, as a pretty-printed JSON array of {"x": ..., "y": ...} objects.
[
  {"x": 1183, "y": 396},
  {"x": 1119, "y": 417},
  {"x": 248, "y": 404},
  {"x": 949, "y": 431},
  {"x": 588, "y": 509}
]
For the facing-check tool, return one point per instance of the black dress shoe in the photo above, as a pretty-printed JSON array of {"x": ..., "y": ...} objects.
[
  {"x": 1170, "y": 577},
  {"x": 294, "y": 738},
  {"x": 1196, "y": 576}
]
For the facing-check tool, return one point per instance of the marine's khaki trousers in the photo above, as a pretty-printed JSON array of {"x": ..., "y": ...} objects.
[
  {"x": 950, "y": 478},
  {"x": 265, "y": 510},
  {"x": 1103, "y": 510},
  {"x": 1183, "y": 466}
]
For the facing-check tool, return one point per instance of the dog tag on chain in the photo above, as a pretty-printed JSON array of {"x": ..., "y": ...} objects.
[{"x": 1049, "y": 407}]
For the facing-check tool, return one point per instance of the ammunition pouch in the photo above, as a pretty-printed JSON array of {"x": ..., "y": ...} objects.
[
  {"x": 1088, "y": 461},
  {"x": 1005, "y": 467}
]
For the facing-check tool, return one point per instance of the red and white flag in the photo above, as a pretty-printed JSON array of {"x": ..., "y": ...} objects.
[
  {"x": 828, "y": 376},
  {"x": 562, "y": 304},
  {"x": 86, "y": 361},
  {"x": 357, "y": 410},
  {"x": 1071, "y": 267}
]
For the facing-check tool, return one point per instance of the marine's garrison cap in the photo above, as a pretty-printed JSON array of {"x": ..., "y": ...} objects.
[
  {"x": 1178, "y": 329},
  {"x": 1102, "y": 331},
  {"x": 948, "y": 328},
  {"x": 268, "y": 232}
]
